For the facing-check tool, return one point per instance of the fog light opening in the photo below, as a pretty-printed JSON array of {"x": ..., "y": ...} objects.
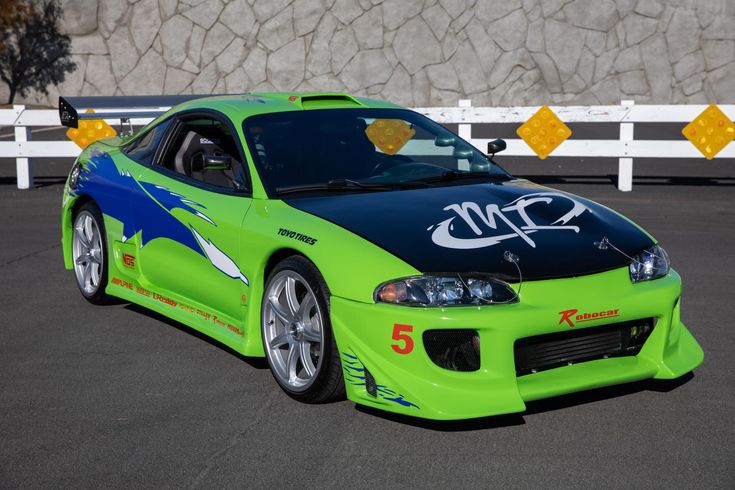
[{"x": 456, "y": 350}]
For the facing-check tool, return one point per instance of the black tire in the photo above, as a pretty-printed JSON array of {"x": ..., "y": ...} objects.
[
  {"x": 327, "y": 384},
  {"x": 98, "y": 295}
]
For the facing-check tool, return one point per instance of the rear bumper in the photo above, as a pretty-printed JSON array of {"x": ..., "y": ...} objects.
[{"x": 412, "y": 384}]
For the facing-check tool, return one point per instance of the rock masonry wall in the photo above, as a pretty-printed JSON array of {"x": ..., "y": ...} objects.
[{"x": 413, "y": 52}]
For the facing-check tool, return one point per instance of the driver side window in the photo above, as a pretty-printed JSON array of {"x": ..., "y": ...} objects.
[{"x": 204, "y": 149}]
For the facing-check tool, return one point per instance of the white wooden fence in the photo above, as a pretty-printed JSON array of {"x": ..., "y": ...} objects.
[{"x": 625, "y": 148}]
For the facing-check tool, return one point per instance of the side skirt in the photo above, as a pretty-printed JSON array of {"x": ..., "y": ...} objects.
[{"x": 221, "y": 328}]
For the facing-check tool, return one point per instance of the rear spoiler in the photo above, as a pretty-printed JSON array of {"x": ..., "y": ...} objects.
[{"x": 72, "y": 109}]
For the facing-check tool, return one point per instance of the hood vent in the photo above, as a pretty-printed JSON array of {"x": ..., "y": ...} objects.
[{"x": 324, "y": 101}]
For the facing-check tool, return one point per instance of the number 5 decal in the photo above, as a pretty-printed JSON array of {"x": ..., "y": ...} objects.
[{"x": 398, "y": 335}]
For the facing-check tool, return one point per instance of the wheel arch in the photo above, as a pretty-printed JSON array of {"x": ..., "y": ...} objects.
[
  {"x": 80, "y": 201},
  {"x": 67, "y": 222},
  {"x": 253, "y": 344},
  {"x": 277, "y": 256},
  {"x": 281, "y": 254}
]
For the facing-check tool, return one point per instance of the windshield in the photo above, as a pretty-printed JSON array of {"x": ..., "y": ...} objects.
[{"x": 376, "y": 149}]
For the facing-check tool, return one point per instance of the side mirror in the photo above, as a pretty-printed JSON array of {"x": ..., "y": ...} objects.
[
  {"x": 217, "y": 162},
  {"x": 496, "y": 146}
]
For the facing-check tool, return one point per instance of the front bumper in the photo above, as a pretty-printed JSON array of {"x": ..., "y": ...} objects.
[{"x": 412, "y": 384}]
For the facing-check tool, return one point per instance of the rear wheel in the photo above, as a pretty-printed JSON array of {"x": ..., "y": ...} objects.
[
  {"x": 297, "y": 333},
  {"x": 89, "y": 253}
]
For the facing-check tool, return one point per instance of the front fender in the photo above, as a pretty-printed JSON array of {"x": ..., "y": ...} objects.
[{"x": 351, "y": 266}]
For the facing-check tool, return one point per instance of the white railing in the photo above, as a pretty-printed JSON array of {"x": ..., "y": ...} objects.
[{"x": 625, "y": 148}]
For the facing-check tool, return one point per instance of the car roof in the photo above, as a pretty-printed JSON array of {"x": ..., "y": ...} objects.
[{"x": 238, "y": 107}]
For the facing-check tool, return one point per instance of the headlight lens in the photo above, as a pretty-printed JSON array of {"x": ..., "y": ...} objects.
[
  {"x": 446, "y": 290},
  {"x": 652, "y": 263}
]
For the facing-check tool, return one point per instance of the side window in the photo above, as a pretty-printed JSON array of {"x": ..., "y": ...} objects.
[
  {"x": 143, "y": 148},
  {"x": 204, "y": 149}
]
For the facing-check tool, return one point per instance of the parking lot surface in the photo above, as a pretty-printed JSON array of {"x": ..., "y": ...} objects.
[{"x": 117, "y": 396}]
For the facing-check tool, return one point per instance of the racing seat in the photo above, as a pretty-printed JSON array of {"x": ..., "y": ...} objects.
[{"x": 189, "y": 159}]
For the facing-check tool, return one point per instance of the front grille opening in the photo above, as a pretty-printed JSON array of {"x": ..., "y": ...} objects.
[
  {"x": 456, "y": 350},
  {"x": 542, "y": 352}
]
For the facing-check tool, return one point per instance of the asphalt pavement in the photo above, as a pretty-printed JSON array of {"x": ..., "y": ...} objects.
[{"x": 117, "y": 396}]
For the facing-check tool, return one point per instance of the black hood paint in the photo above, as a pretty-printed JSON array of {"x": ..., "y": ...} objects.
[{"x": 409, "y": 223}]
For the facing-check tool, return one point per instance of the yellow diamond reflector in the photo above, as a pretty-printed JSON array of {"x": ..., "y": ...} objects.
[
  {"x": 89, "y": 131},
  {"x": 543, "y": 132},
  {"x": 389, "y": 135},
  {"x": 710, "y": 131}
]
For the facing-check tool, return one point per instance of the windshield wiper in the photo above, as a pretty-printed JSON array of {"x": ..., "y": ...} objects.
[
  {"x": 452, "y": 175},
  {"x": 335, "y": 185}
]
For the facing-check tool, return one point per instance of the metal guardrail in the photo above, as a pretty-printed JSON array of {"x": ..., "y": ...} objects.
[{"x": 625, "y": 148}]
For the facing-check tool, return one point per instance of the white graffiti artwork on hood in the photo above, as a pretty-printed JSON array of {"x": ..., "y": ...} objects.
[{"x": 484, "y": 223}]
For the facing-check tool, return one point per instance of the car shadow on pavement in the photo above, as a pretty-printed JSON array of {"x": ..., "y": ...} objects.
[
  {"x": 599, "y": 394},
  {"x": 483, "y": 423},
  {"x": 255, "y": 362},
  {"x": 540, "y": 406},
  {"x": 466, "y": 425}
]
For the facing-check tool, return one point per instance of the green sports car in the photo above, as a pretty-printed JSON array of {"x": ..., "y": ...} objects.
[{"x": 367, "y": 251}]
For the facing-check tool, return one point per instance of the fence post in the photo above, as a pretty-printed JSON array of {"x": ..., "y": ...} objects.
[
  {"x": 625, "y": 164},
  {"x": 465, "y": 132},
  {"x": 23, "y": 166}
]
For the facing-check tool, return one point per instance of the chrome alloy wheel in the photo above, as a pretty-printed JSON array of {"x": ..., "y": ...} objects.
[
  {"x": 293, "y": 330},
  {"x": 87, "y": 253}
]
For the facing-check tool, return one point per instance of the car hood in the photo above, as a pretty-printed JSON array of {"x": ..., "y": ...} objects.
[{"x": 469, "y": 228}]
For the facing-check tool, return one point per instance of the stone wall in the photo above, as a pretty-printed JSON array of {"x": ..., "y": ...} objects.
[{"x": 413, "y": 52}]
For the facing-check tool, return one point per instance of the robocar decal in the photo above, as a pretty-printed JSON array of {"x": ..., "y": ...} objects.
[
  {"x": 569, "y": 316},
  {"x": 469, "y": 212},
  {"x": 113, "y": 190},
  {"x": 355, "y": 375}
]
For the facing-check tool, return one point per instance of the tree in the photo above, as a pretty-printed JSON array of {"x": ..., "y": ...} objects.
[
  {"x": 33, "y": 53},
  {"x": 12, "y": 15}
]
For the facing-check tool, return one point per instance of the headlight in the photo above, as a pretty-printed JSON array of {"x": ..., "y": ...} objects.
[
  {"x": 446, "y": 290},
  {"x": 652, "y": 263}
]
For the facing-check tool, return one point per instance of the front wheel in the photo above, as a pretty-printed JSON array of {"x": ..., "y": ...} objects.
[{"x": 297, "y": 333}]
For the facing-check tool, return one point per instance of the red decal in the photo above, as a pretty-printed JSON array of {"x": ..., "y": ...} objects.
[
  {"x": 128, "y": 260},
  {"x": 122, "y": 283},
  {"x": 292, "y": 98},
  {"x": 566, "y": 316},
  {"x": 399, "y": 336},
  {"x": 165, "y": 300},
  {"x": 175, "y": 304}
]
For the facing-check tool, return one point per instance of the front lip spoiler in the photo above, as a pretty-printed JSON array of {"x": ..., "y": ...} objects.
[{"x": 365, "y": 329}]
